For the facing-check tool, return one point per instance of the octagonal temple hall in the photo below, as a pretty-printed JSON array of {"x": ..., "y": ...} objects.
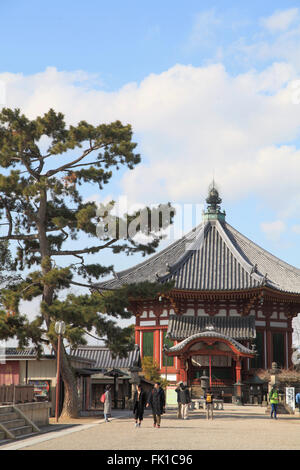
[{"x": 230, "y": 311}]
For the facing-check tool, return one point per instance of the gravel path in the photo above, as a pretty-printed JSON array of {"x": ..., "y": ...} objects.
[{"x": 234, "y": 428}]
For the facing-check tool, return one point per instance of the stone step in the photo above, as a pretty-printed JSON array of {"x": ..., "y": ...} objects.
[
  {"x": 15, "y": 423},
  {"x": 8, "y": 416},
  {"x": 6, "y": 409},
  {"x": 2, "y": 435},
  {"x": 21, "y": 431}
]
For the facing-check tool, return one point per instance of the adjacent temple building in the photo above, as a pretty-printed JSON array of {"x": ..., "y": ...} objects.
[{"x": 229, "y": 313}]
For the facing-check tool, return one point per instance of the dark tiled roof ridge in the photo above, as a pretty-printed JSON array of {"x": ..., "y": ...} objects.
[
  {"x": 180, "y": 327},
  {"x": 155, "y": 256},
  {"x": 196, "y": 268},
  {"x": 266, "y": 253}
]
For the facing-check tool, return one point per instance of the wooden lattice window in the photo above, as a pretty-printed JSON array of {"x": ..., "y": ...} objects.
[
  {"x": 167, "y": 361},
  {"x": 148, "y": 343}
]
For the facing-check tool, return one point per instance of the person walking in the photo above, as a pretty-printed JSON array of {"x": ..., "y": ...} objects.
[
  {"x": 107, "y": 403},
  {"x": 177, "y": 390},
  {"x": 156, "y": 400},
  {"x": 209, "y": 402},
  {"x": 185, "y": 400},
  {"x": 274, "y": 399},
  {"x": 139, "y": 403},
  {"x": 298, "y": 400}
]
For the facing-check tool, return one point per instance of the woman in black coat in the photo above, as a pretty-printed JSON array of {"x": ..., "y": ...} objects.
[
  {"x": 139, "y": 403},
  {"x": 156, "y": 400}
]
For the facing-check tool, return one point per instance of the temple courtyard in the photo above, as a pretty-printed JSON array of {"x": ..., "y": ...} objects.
[{"x": 234, "y": 428}]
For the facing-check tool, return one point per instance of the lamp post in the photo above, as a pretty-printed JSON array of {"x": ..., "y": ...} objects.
[{"x": 60, "y": 328}]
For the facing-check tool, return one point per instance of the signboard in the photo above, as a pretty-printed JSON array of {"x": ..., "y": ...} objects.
[
  {"x": 171, "y": 395},
  {"x": 290, "y": 397},
  {"x": 41, "y": 389}
]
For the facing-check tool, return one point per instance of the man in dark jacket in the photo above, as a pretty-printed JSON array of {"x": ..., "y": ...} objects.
[
  {"x": 139, "y": 403},
  {"x": 156, "y": 400},
  {"x": 177, "y": 390},
  {"x": 185, "y": 400}
]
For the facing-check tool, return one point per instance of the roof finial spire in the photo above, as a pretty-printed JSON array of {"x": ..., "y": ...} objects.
[{"x": 213, "y": 204}]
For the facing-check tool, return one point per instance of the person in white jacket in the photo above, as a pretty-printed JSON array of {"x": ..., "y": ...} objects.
[{"x": 107, "y": 403}]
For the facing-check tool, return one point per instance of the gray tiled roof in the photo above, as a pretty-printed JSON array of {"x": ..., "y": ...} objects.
[
  {"x": 213, "y": 256},
  {"x": 103, "y": 357},
  {"x": 239, "y": 328},
  {"x": 210, "y": 334},
  {"x": 19, "y": 353}
]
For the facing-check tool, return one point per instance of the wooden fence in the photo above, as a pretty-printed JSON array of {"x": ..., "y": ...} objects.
[{"x": 16, "y": 394}]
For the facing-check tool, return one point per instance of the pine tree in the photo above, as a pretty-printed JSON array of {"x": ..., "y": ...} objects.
[
  {"x": 150, "y": 369},
  {"x": 46, "y": 223}
]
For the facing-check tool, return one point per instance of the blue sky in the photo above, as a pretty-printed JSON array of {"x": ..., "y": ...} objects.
[
  {"x": 211, "y": 89},
  {"x": 123, "y": 41},
  {"x": 118, "y": 43}
]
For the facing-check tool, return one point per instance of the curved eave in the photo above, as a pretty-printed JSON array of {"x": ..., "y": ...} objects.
[
  {"x": 266, "y": 292},
  {"x": 183, "y": 346}
]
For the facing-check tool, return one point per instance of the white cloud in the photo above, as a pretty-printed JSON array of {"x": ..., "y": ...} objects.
[
  {"x": 296, "y": 229},
  {"x": 273, "y": 230},
  {"x": 280, "y": 20},
  {"x": 191, "y": 122}
]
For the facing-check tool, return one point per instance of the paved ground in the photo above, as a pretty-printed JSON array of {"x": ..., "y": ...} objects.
[{"x": 234, "y": 428}]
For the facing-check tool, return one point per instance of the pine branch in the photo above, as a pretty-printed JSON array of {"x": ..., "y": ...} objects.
[
  {"x": 91, "y": 250},
  {"x": 68, "y": 165},
  {"x": 89, "y": 286}
]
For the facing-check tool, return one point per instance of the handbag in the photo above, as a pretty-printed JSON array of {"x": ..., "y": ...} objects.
[{"x": 102, "y": 399}]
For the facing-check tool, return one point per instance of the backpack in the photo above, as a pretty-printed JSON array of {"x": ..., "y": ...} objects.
[
  {"x": 102, "y": 399},
  {"x": 208, "y": 398}
]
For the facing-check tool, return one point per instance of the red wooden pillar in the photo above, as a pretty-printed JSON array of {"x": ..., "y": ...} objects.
[
  {"x": 289, "y": 349},
  {"x": 137, "y": 337},
  {"x": 157, "y": 347},
  {"x": 183, "y": 370},
  {"x": 141, "y": 341},
  {"x": 269, "y": 349},
  {"x": 238, "y": 384},
  {"x": 238, "y": 370}
]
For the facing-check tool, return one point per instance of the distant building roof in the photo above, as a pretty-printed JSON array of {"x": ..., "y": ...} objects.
[
  {"x": 18, "y": 353},
  {"x": 13, "y": 353},
  {"x": 104, "y": 359},
  {"x": 239, "y": 328}
]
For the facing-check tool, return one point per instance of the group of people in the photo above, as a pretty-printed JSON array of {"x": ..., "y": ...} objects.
[
  {"x": 184, "y": 400},
  {"x": 156, "y": 400}
]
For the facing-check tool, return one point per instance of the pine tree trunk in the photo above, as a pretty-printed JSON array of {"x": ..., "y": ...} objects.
[{"x": 70, "y": 407}]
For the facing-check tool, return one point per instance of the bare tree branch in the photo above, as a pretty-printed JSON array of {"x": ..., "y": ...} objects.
[{"x": 91, "y": 250}]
